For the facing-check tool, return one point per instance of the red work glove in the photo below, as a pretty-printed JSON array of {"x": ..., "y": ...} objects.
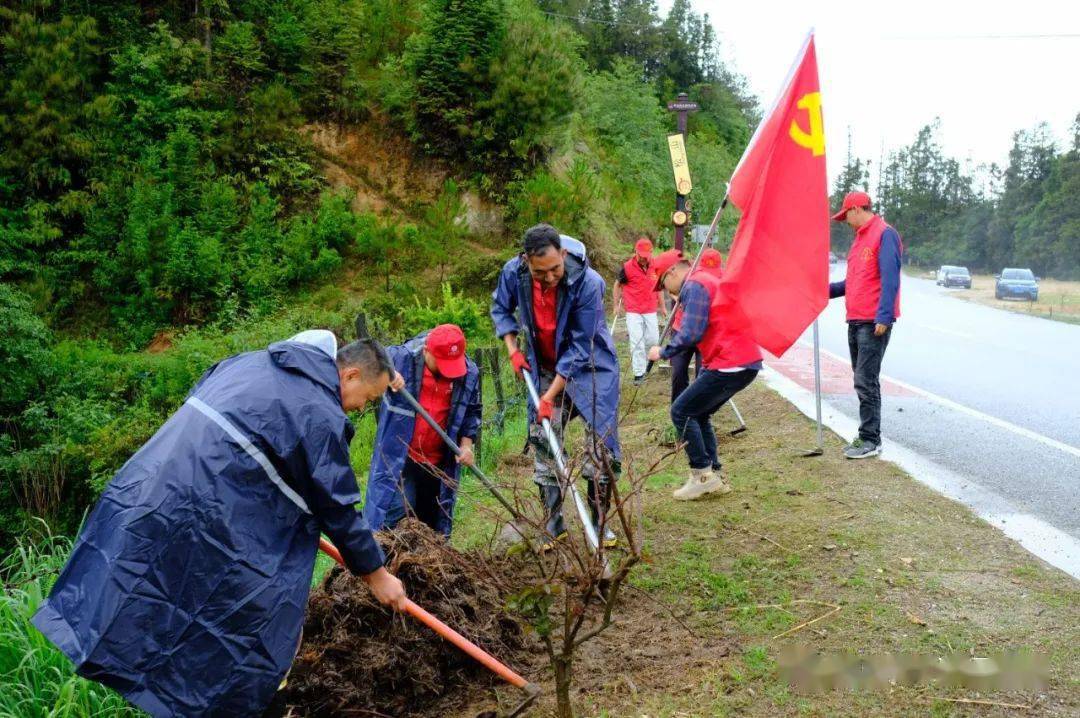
[
  {"x": 544, "y": 411},
  {"x": 517, "y": 359}
]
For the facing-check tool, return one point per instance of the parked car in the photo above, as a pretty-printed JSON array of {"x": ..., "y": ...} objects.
[
  {"x": 1017, "y": 283},
  {"x": 957, "y": 277},
  {"x": 942, "y": 271}
]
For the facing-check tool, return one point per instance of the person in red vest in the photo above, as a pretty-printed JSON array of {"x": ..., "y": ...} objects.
[
  {"x": 412, "y": 472},
  {"x": 729, "y": 356},
  {"x": 871, "y": 292},
  {"x": 711, "y": 261},
  {"x": 635, "y": 292}
]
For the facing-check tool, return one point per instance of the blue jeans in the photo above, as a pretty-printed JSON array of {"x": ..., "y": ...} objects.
[
  {"x": 692, "y": 411},
  {"x": 680, "y": 371},
  {"x": 867, "y": 351},
  {"x": 419, "y": 497}
]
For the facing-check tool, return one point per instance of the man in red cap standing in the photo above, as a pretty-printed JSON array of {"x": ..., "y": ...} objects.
[
  {"x": 872, "y": 294},
  {"x": 412, "y": 471},
  {"x": 635, "y": 290},
  {"x": 730, "y": 359}
]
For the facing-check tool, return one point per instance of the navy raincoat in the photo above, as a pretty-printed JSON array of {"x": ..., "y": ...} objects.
[
  {"x": 187, "y": 586},
  {"x": 397, "y": 420},
  {"x": 583, "y": 346}
]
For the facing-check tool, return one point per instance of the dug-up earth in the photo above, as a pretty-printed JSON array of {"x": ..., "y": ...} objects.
[{"x": 833, "y": 555}]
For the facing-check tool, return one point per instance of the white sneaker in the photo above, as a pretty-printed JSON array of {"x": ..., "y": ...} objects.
[{"x": 700, "y": 483}]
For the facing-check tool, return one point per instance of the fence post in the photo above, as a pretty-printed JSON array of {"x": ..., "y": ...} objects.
[
  {"x": 478, "y": 357},
  {"x": 500, "y": 397},
  {"x": 361, "y": 326}
]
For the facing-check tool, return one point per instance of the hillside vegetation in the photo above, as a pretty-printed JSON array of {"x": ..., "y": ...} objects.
[{"x": 180, "y": 181}]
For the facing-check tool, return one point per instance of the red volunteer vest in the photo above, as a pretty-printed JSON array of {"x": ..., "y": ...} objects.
[
  {"x": 435, "y": 396},
  {"x": 862, "y": 290},
  {"x": 639, "y": 295},
  {"x": 727, "y": 343}
]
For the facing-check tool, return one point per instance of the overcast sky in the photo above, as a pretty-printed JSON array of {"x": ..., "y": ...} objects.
[{"x": 887, "y": 69}]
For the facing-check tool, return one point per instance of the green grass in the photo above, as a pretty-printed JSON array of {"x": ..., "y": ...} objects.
[{"x": 36, "y": 679}]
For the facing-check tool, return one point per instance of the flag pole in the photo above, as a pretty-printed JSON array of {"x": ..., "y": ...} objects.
[{"x": 820, "y": 448}]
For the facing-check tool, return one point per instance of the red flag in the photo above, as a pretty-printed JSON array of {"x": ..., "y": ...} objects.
[{"x": 777, "y": 275}]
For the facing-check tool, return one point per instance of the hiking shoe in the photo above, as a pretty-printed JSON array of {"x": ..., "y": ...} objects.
[
  {"x": 610, "y": 540},
  {"x": 700, "y": 483},
  {"x": 639, "y": 380},
  {"x": 860, "y": 449}
]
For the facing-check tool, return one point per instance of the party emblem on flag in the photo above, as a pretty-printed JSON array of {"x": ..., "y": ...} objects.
[{"x": 814, "y": 140}]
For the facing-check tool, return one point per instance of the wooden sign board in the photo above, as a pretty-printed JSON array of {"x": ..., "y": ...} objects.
[{"x": 677, "y": 149}]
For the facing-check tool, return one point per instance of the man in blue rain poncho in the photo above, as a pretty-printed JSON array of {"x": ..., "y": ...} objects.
[
  {"x": 412, "y": 471},
  {"x": 186, "y": 589},
  {"x": 550, "y": 294}
]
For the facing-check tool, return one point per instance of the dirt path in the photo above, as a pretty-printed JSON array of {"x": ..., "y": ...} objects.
[{"x": 909, "y": 570}]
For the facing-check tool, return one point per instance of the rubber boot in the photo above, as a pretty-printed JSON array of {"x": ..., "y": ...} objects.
[
  {"x": 602, "y": 505},
  {"x": 554, "y": 529}
]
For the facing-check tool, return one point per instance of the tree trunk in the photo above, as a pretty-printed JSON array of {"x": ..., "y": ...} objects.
[{"x": 563, "y": 667}]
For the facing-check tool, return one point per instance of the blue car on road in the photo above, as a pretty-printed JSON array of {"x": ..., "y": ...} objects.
[{"x": 1017, "y": 284}]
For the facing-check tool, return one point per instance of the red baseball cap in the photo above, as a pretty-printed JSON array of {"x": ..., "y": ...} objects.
[
  {"x": 711, "y": 260},
  {"x": 447, "y": 343},
  {"x": 643, "y": 247},
  {"x": 851, "y": 201},
  {"x": 662, "y": 263}
]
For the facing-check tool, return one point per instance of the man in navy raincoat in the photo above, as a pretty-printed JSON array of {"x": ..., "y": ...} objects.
[
  {"x": 551, "y": 295},
  {"x": 412, "y": 470},
  {"x": 186, "y": 589}
]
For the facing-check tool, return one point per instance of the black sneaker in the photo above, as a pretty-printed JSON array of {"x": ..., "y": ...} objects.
[
  {"x": 639, "y": 380},
  {"x": 860, "y": 449}
]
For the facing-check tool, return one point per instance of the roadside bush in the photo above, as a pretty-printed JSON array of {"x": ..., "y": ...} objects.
[
  {"x": 565, "y": 203},
  {"x": 453, "y": 308},
  {"x": 24, "y": 350}
]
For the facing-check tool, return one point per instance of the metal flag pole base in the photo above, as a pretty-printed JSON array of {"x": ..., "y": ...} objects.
[{"x": 818, "y": 450}]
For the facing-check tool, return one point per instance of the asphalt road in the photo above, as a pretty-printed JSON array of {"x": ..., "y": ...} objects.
[{"x": 990, "y": 395}]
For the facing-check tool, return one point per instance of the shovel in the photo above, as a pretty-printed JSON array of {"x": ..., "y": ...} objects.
[
  {"x": 532, "y": 690},
  {"x": 564, "y": 478}
]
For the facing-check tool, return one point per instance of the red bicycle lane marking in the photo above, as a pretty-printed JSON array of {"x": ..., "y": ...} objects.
[{"x": 836, "y": 375}]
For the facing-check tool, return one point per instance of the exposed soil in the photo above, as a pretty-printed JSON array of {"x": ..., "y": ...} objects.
[{"x": 357, "y": 658}]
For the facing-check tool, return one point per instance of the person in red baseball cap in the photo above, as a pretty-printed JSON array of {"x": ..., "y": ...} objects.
[
  {"x": 712, "y": 261},
  {"x": 871, "y": 293},
  {"x": 635, "y": 291},
  {"x": 413, "y": 473},
  {"x": 730, "y": 361}
]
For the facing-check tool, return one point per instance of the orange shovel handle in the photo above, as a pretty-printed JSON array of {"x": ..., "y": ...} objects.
[{"x": 489, "y": 661}]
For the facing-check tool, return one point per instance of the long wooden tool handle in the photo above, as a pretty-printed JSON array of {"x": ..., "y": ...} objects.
[
  {"x": 488, "y": 484},
  {"x": 489, "y": 661}
]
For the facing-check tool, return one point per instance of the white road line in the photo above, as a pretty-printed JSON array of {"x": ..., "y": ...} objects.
[
  {"x": 943, "y": 330},
  {"x": 992, "y": 420},
  {"x": 1049, "y": 543}
]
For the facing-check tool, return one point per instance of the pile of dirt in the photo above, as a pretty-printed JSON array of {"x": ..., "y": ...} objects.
[{"x": 358, "y": 658}]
